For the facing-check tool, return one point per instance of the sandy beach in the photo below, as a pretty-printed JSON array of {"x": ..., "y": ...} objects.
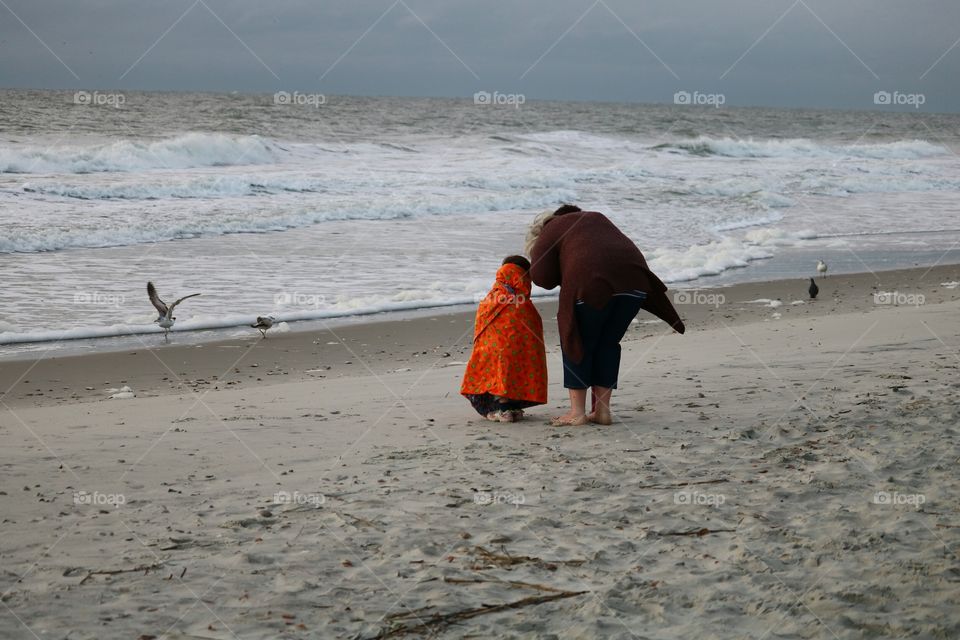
[{"x": 786, "y": 469}]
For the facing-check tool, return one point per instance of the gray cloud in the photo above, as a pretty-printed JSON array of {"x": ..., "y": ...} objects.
[{"x": 414, "y": 48}]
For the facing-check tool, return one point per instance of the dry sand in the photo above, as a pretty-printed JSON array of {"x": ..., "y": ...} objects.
[{"x": 784, "y": 471}]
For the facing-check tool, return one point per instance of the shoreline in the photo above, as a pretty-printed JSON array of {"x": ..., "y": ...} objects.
[
  {"x": 428, "y": 337},
  {"x": 787, "y": 264}
]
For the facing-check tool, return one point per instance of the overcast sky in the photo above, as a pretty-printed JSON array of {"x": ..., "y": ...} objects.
[{"x": 806, "y": 53}]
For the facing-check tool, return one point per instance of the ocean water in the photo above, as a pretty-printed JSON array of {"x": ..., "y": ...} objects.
[{"x": 361, "y": 205}]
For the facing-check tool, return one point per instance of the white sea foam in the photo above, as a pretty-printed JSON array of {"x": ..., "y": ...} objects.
[
  {"x": 767, "y": 302},
  {"x": 744, "y": 223},
  {"x": 181, "y": 152},
  {"x": 680, "y": 265},
  {"x": 804, "y": 148},
  {"x": 777, "y": 236},
  {"x": 750, "y": 190},
  {"x": 451, "y": 209},
  {"x": 214, "y": 186},
  {"x": 843, "y": 186},
  {"x": 138, "y": 231}
]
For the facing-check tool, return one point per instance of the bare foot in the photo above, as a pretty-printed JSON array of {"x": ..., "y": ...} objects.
[
  {"x": 569, "y": 420},
  {"x": 600, "y": 417}
]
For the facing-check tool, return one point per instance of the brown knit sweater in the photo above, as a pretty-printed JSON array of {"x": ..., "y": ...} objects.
[{"x": 590, "y": 259}]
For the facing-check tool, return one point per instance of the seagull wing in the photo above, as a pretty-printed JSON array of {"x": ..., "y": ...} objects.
[
  {"x": 181, "y": 300},
  {"x": 155, "y": 299}
]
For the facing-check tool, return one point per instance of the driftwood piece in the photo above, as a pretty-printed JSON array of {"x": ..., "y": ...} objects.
[
  {"x": 681, "y": 484},
  {"x": 112, "y": 572},
  {"x": 693, "y": 532},
  {"x": 438, "y": 621},
  {"x": 517, "y": 584},
  {"x": 488, "y": 558}
]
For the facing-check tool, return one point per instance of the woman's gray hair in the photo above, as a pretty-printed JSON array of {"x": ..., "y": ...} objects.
[{"x": 533, "y": 232}]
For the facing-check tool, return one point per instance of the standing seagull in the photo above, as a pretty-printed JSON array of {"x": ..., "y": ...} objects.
[
  {"x": 813, "y": 290},
  {"x": 263, "y": 323},
  {"x": 821, "y": 267},
  {"x": 165, "y": 319}
]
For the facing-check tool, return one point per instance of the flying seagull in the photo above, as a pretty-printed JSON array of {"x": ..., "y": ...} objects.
[
  {"x": 821, "y": 267},
  {"x": 813, "y": 290},
  {"x": 263, "y": 323},
  {"x": 165, "y": 319}
]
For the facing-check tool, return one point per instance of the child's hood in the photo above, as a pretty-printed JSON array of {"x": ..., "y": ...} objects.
[{"x": 515, "y": 277}]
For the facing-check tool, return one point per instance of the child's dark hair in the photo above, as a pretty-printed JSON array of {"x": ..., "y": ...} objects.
[
  {"x": 567, "y": 208},
  {"x": 520, "y": 261}
]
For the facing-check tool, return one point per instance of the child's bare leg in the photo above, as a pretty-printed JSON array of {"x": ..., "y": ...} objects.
[
  {"x": 601, "y": 406},
  {"x": 578, "y": 409}
]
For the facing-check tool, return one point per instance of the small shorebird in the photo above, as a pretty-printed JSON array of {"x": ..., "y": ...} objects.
[
  {"x": 821, "y": 267},
  {"x": 165, "y": 319},
  {"x": 264, "y": 323},
  {"x": 813, "y": 290}
]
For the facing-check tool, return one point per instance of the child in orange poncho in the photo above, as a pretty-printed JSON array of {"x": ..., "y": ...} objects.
[{"x": 507, "y": 371}]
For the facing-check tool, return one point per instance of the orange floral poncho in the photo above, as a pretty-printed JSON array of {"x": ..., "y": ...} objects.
[{"x": 508, "y": 366}]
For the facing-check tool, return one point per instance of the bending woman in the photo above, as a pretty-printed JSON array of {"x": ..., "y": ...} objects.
[{"x": 604, "y": 281}]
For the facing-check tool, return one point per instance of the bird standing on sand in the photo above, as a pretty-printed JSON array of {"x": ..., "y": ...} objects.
[
  {"x": 813, "y": 290},
  {"x": 263, "y": 323},
  {"x": 821, "y": 267},
  {"x": 165, "y": 319}
]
